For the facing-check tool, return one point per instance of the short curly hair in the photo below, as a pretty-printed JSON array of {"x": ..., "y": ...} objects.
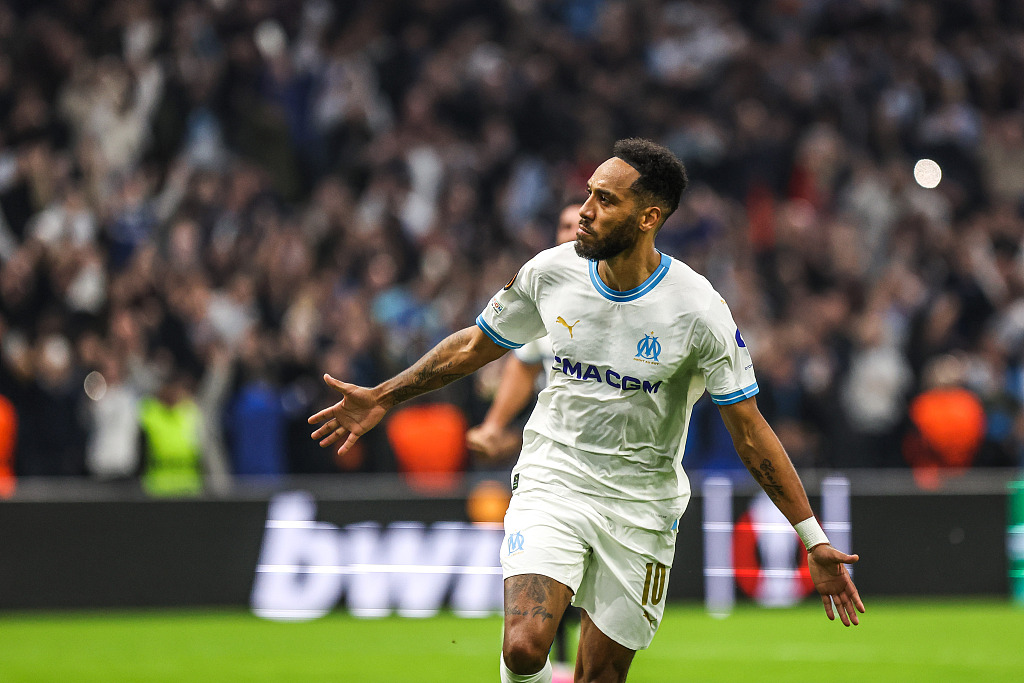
[{"x": 662, "y": 176}]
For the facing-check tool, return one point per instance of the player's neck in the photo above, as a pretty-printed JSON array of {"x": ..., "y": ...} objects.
[{"x": 631, "y": 268}]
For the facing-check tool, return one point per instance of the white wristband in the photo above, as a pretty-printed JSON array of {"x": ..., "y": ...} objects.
[{"x": 810, "y": 533}]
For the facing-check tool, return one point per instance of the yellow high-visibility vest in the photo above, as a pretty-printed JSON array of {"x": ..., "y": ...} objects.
[{"x": 173, "y": 449}]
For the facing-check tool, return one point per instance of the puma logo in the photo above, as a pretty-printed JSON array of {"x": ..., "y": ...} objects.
[{"x": 569, "y": 327}]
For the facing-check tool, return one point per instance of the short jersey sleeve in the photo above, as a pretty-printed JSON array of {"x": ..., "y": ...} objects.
[
  {"x": 724, "y": 358},
  {"x": 511, "y": 318}
]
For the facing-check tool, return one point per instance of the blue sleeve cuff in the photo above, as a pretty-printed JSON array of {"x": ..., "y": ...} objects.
[
  {"x": 735, "y": 396},
  {"x": 495, "y": 337}
]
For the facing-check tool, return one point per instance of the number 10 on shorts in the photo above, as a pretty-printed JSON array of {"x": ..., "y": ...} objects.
[{"x": 654, "y": 584}]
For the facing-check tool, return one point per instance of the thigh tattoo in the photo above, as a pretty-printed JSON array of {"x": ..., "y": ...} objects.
[{"x": 527, "y": 595}]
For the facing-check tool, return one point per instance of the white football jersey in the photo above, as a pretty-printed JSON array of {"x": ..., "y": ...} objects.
[
  {"x": 627, "y": 369},
  {"x": 537, "y": 352}
]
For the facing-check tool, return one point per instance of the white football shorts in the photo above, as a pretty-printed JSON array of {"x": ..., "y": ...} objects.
[{"x": 618, "y": 573}]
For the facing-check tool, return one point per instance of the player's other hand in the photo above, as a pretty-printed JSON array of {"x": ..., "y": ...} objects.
[
  {"x": 833, "y": 582},
  {"x": 491, "y": 441},
  {"x": 356, "y": 413}
]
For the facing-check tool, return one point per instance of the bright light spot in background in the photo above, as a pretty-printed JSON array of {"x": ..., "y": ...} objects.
[
  {"x": 95, "y": 386},
  {"x": 927, "y": 173}
]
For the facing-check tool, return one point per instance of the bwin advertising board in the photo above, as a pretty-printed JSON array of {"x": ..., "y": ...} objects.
[{"x": 306, "y": 567}]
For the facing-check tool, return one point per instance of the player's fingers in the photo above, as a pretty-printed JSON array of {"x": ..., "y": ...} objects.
[
  {"x": 324, "y": 429},
  {"x": 338, "y": 385},
  {"x": 334, "y": 437},
  {"x": 848, "y": 609},
  {"x": 325, "y": 414},
  {"x": 349, "y": 442},
  {"x": 841, "y": 609},
  {"x": 850, "y": 559},
  {"x": 856, "y": 599},
  {"x": 826, "y": 600}
]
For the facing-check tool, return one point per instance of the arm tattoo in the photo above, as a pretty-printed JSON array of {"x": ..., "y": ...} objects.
[
  {"x": 433, "y": 371},
  {"x": 765, "y": 476}
]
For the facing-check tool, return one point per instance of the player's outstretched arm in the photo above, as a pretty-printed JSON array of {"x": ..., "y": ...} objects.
[
  {"x": 514, "y": 392},
  {"x": 766, "y": 459},
  {"x": 361, "y": 408}
]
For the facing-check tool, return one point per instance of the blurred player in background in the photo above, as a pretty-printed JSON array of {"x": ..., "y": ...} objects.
[
  {"x": 599, "y": 487},
  {"x": 521, "y": 378}
]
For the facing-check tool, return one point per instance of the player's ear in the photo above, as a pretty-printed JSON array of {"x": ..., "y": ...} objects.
[{"x": 650, "y": 219}]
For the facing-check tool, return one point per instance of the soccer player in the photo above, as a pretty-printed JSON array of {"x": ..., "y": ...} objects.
[{"x": 599, "y": 486}]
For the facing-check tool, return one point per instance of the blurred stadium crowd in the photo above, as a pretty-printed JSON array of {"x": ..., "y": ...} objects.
[{"x": 204, "y": 205}]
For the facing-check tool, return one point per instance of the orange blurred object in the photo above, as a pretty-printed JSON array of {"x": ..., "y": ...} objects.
[
  {"x": 8, "y": 437},
  {"x": 429, "y": 442},
  {"x": 488, "y": 502},
  {"x": 950, "y": 426}
]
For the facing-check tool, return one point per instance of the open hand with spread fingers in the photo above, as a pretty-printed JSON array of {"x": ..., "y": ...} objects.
[
  {"x": 833, "y": 582},
  {"x": 356, "y": 413}
]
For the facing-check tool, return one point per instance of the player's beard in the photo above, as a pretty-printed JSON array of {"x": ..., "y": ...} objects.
[{"x": 621, "y": 237}]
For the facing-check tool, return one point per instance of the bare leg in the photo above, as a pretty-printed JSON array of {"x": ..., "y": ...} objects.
[
  {"x": 533, "y": 607},
  {"x": 600, "y": 659}
]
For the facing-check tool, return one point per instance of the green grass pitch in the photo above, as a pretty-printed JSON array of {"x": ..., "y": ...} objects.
[{"x": 902, "y": 641}]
